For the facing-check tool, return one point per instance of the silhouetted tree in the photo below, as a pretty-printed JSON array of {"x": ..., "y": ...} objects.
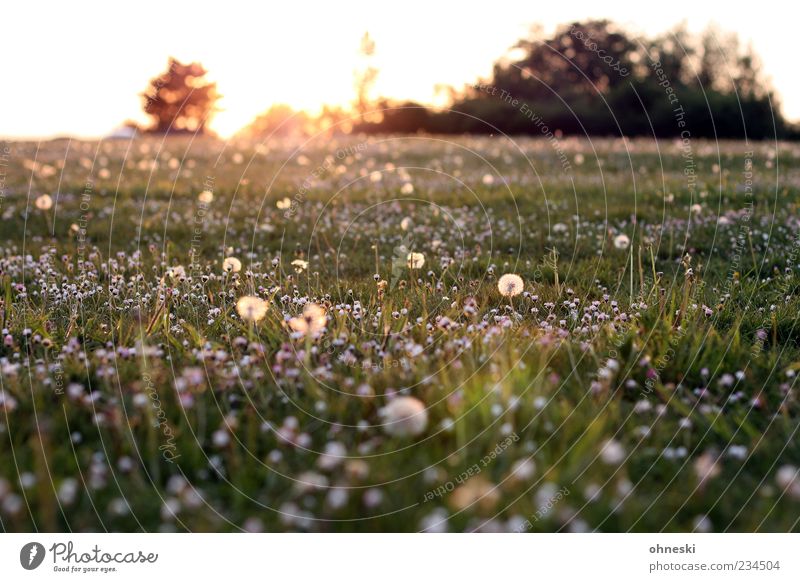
[
  {"x": 278, "y": 120},
  {"x": 592, "y": 77},
  {"x": 180, "y": 100},
  {"x": 364, "y": 78}
]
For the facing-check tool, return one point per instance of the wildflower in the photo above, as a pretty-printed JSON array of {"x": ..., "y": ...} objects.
[
  {"x": 415, "y": 260},
  {"x": 408, "y": 188},
  {"x": 405, "y": 416},
  {"x": 205, "y": 197},
  {"x": 406, "y": 223},
  {"x": 44, "y": 202},
  {"x": 560, "y": 227},
  {"x": 788, "y": 479},
  {"x": 311, "y": 323},
  {"x": 612, "y": 453},
  {"x": 231, "y": 265},
  {"x": 300, "y": 265},
  {"x": 477, "y": 491},
  {"x": 621, "y": 241},
  {"x": 510, "y": 285},
  {"x": 706, "y": 467},
  {"x": 251, "y": 308},
  {"x": 177, "y": 272},
  {"x": 284, "y": 203}
]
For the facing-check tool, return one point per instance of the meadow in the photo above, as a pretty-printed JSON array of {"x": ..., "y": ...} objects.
[{"x": 327, "y": 335}]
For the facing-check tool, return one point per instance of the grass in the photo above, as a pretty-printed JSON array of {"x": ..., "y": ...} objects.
[{"x": 642, "y": 388}]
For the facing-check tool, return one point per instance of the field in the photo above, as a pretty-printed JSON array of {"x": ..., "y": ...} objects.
[{"x": 378, "y": 375}]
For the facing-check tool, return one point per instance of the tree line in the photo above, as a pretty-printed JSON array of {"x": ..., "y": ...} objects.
[{"x": 587, "y": 78}]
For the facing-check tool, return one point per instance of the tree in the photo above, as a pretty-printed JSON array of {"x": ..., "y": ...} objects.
[
  {"x": 277, "y": 121},
  {"x": 364, "y": 78},
  {"x": 180, "y": 100}
]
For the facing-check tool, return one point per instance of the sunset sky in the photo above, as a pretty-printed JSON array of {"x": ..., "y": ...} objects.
[{"x": 78, "y": 70}]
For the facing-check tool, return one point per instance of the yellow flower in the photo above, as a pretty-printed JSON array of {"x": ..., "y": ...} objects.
[
  {"x": 251, "y": 308},
  {"x": 510, "y": 285}
]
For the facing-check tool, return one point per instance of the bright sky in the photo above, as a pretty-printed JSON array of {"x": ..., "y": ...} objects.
[{"x": 78, "y": 69}]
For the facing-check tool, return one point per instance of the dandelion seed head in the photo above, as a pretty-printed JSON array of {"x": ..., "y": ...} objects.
[
  {"x": 405, "y": 416},
  {"x": 231, "y": 265},
  {"x": 621, "y": 241},
  {"x": 44, "y": 202},
  {"x": 251, "y": 308},
  {"x": 415, "y": 260},
  {"x": 510, "y": 285},
  {"x": 311, "y": 323}
]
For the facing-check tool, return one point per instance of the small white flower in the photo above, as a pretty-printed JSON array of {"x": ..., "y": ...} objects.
[
  {"x": 621, "y": 241},
  {"x": 284, "y": 203}
]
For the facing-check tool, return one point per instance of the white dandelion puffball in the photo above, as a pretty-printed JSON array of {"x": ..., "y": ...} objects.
[
  {"x": 251, "y": 308},
  {"x": 405, "y": 416},
  {"x": 176, "y": 272},
  {"x": 311, "y": 323},
  {"x": 44, "y": 202},
  {"x": 206, "y": 197},
  {"x": 284, "y": 203},
  {"x": 408, "y": 188},
  {"x": 621, "y": 241},
  {"x": 415, "y": 260},
  {"x": 510, "y": 285},
  {"x": 300, "y": 265},
  {"x": 406, "y": 223},
  {"x": 231, "y": 265}
]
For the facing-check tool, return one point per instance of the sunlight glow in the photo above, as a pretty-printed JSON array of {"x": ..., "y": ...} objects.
[{"x": 85, "y": 79}]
